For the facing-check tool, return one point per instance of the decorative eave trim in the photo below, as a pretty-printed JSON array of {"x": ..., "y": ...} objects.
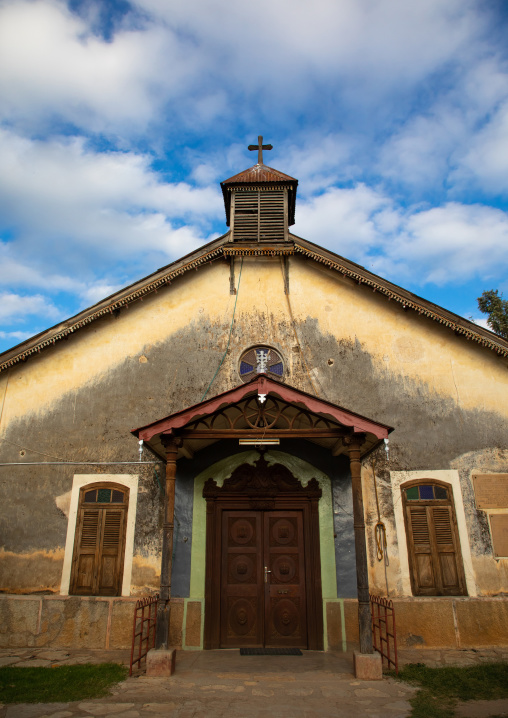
[
  {"x": 263, "y": 186},
  {"x": 406, "y": 303},
  {"x": 236, "y": 250}
]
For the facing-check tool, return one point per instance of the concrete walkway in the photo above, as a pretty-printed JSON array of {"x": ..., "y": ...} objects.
[{"x": 213, "y": 684}]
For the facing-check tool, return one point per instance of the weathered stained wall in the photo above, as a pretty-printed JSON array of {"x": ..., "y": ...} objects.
[{"x": 446, "y": 398}]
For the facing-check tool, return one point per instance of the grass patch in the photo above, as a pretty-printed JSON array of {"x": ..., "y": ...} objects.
[
  {"x": 442, "y": 688},
  {"x": 60, "y": 684}
]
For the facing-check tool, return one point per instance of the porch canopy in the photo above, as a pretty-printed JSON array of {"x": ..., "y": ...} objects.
[
  {"x": 257, "y": 411},
  {"x": 262, "y": 409}
]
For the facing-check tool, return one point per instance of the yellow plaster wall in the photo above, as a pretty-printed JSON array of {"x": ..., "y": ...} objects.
[{"x": 401, "y": 342}]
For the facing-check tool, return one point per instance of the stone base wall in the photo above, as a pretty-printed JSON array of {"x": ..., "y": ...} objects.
[
  {"x": 444, "y": 622},
  {"x": 99, "y": 622},
  {"x": 87, "y": 622}
]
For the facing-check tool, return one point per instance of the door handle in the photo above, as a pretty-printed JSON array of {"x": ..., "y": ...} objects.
[{"x": 267, "y": 571}]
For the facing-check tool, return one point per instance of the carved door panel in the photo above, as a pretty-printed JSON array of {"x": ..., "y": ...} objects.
[
  {"x": 285, "y": 604},
  {"x": 241, "y": 607},
  {"x": 263, "y": 607}
]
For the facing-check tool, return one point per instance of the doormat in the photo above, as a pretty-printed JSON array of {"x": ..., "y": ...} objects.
[{"x": 270, "y": 652}]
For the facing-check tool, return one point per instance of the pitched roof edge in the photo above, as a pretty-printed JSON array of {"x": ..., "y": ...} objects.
[{"x": 408, "y": 300}]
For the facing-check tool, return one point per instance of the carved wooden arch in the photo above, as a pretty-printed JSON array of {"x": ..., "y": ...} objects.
[
  {"x": 261, "y": 482},
  {"x": 262, "y": 487}
]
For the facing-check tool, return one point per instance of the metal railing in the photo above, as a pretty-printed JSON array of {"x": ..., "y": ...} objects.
[
  {"x": 143, "y": 629},
  {"x": 384, "y": 634}
]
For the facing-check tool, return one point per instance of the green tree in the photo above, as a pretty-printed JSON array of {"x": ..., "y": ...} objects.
[{"x": 493, "y": 304}]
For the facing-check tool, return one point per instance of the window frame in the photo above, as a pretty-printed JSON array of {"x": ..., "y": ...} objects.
[
  {"x": 76, "y": 552},
  {"x": 416, "y": 589}
]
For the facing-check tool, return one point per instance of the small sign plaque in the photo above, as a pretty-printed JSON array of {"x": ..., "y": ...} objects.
[
  {"x": 499, "y": 528},
  {"x": 491, "y": 491}
]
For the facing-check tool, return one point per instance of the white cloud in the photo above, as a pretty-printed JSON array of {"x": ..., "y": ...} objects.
[
  {"x": 482, "y": 322},
  {"x": 343, "y": 219},
  {"x": 183, "y": 63},
  {"x": 455, "y": 243},
  {"x": 53, "y": 64},
  {"x": 419, "y": 154},
  {"x": 452, "y": 243},
  {"x": 321, "y": 160},
  {"x": 15, "y": 308},
  {"x": 485, "y": 163},
  {"x": 97, "y": 291},
  {"x": 75, "y": 206},
  {"x": 389, "y": 42},
  {"x": 15, "y": 336}
]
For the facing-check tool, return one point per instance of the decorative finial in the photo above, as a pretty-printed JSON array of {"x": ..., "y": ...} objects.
[{"x": 260, "y": 147}]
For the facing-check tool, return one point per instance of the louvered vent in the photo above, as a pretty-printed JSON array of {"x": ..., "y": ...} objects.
[
  {"x": 246, "y": 216},
  {"x": 89, "y": 530},
  {"x": 112, "y": 526},
  {"x": 443, "y": 526},
  {"x": 420, "y": 526},
  {"x": 259, "y": 216},
  {"x": 271, "y": 225}
]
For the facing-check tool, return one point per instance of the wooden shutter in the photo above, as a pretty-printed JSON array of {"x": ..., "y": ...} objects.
[
  {"x": 85, "y": 552},
  {"x": 259, "y": 215},
  {"x": 111, "y": 552},
  {"x": 246, "y": 216},
  {"x": 99, "y": 549},
  {"x": 434, "y": 549},
  {"x": 272, "y": 216}
]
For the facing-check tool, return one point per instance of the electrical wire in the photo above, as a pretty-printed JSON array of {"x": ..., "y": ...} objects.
[
  {"x": 78, "y": 463},
  {"x": 34, "y": 451},
  {"x": 229, "y": 337},
  {"x": 61, "y": 461}
]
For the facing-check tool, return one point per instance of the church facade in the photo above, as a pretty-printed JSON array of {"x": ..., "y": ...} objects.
[{"x": 261, "y": 432}]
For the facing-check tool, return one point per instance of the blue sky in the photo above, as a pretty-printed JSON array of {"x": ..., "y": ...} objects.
[{"x": 119, "y": 119}]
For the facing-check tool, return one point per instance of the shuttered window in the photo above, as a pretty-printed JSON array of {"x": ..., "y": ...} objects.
[
  {"x": 433, "y": 541},
  {"x": 259, "y": 215},
  {"x": 97, "y": 566}
]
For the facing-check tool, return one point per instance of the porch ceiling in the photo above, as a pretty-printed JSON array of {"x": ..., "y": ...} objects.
[{"x": 260, "y": 409}]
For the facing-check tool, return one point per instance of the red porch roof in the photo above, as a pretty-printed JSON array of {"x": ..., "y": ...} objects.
[{"x": 295, "y": 414}]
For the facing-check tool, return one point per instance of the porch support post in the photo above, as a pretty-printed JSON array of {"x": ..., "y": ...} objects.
[
  {"x": 354, "y": 443},
  {"x": 163, "y": 606}
]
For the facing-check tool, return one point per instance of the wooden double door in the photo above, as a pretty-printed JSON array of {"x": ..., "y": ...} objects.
[{"x": 263, "y": 588}]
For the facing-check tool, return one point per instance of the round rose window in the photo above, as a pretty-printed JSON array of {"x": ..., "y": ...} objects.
[{"x": 261, "y": 360}]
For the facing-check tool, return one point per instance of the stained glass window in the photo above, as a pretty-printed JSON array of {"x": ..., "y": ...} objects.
[
  {"x": 104, "y": 496},
  {"x": 426, "y": 492},
  {"x": 261, "y": 360},
  {"x": 440, "y": 492}
]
